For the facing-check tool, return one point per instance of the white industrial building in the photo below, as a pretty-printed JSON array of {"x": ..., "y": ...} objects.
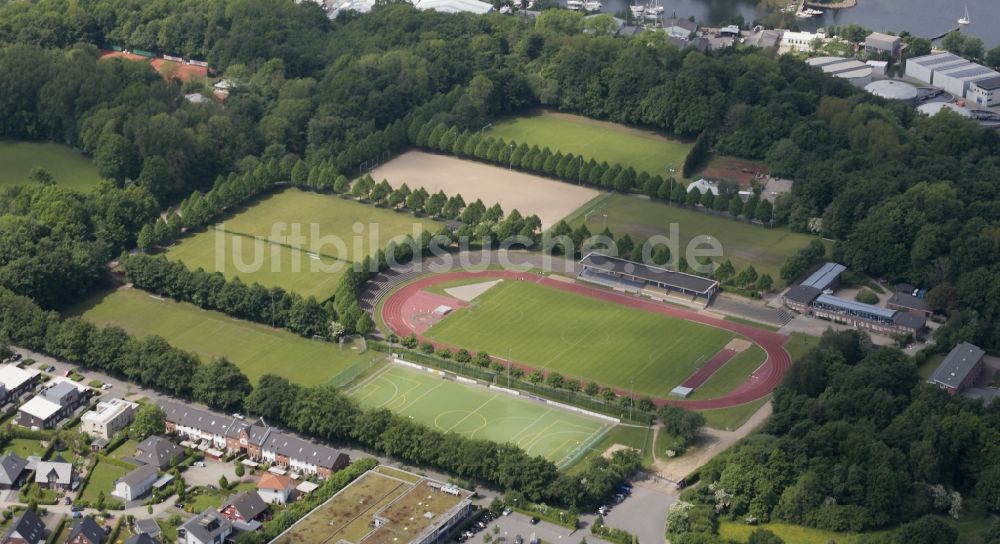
[
  {"x": 800, "y": 41},
  {"x": 956, "y": 81},
  {"x": 854, "y": 71},
  {"x": 924, "y": 68},
  {"x": 984, "y": 92}
]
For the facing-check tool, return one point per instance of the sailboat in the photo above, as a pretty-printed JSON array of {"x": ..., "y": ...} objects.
[{"x": 965, "y": 20}]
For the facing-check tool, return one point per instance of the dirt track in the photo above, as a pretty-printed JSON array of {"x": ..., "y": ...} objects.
[
  {"x": 762, "y": 382},
  {"x": 548, "y": 199}
]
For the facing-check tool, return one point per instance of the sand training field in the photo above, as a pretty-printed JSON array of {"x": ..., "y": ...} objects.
[{"x": 549, "y": 200}]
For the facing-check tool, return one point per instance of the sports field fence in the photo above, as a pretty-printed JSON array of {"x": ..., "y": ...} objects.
[
  {"x": 350, "y": 374},
  {"x": 470, "y": 370}
]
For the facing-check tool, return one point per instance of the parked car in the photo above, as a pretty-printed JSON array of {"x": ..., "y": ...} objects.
[
  {"x": 200, "y": 464},
  {"x": 16, "y": 357},
  {"x": 518, "y": 539},
  {"x": 534, "y": 521},
  {"x": 67, "y": 500},
  {"x": 50, "y": 368},
  {"x": 507, "y": 511},
  {"x": 106, "y": 386},
  {"x": 76, "y": 509},
  {"x": 77, "y": 514}
]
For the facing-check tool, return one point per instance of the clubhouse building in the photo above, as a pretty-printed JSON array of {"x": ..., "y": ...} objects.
[
  {"x": 814, "y": 296},
  {"x": 654, "y": 282}
]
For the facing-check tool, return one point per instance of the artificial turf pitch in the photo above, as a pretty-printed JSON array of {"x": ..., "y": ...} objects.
[
  {"x": 256, "y": 349},
  {"x": 743, "y": 244},
  {"x": 582, "y": 337},
  {"x": 598, "y": 140},
  {"x": 477, "y": 412}
]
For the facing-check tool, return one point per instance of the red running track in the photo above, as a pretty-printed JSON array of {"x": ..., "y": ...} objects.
[
  {"x": 762, "y": 382},
  {"x": 702, "y": 375}
]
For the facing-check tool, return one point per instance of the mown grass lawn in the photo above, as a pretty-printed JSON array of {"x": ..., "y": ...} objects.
[
  {"x": 633, "y": 436},
  {"x": 23, "y": 447},
  {"x": 582, "y": 338},
  {"x": 732, "y": 374},
  {"x": 728, "y": 419},
  {"x": 742, "y": 243},
  {"x": 598, "y": 140},
  {"x": 68, "y": 167},
  {"x": 257, "y": 349},
  {"x": 102, "y": 478}
]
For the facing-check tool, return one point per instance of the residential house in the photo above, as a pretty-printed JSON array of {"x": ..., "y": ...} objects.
[
  {"x": 108, "y": 418},
  {"x": 141, "y": 538},
  {"x": 55, "y": 475},
  {"x": 209, "y": 527},
  {"x": 11, "y": 469},
  {"x": 275, "y": 488},
  {"x": 244, "y": 507},
  {"x": 27, "y": 528},
  {"x": 135, "y": 484},
  {"x": 14, "y": 381},
  {"x": 85, "y": 531},
  {"x": 147, "y": 526},
  {"x": 54, "y": 403},
  {"x": 158, "y": 452},
  {"x": 261, "y": 443}
]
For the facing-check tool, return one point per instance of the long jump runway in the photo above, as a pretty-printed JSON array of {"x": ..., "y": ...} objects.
[{"x": 761, "y": 383}]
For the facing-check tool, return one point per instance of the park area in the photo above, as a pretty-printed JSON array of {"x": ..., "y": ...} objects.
[
  {"x": 644, "y": 150},
  {"x": 477, "y": 412},
  {"x": 255, "y": 349},
  {"x": 583, "y": 337},
  {"x": 531, "y": 195},
  {"x": 743, "y": 244},
  {"x": 69, "y": 167}
]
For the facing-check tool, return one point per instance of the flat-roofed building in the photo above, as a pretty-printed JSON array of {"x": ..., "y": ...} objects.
[
  {"x": 867, "y": 316},
  {"x": 825, "y": 276},
  {"x": 108, "y": 418},
  {"x": 959, "y": 369},
  {"x": 883, "y": 44},
  {"x": 984, "y": 92},
  {"x": 411, "y": 510},
  {"x": 15, "y": 381},
  {"x": 908, "y": 303}
]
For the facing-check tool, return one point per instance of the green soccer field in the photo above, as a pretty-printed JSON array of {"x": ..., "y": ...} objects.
[
  {"x": 742, "y": 243},
  {"x": 582, "y": 337},
  {"x": 255, "y": 260},
  {"x": 256, "y": 349},
  {"x": 477, "y": 412},
  {"x": 323, "y": 225},
  {"x": 321, "y": 219},
  {"x": 596, "y": 140},
  {"x": 69, "y": 167}
]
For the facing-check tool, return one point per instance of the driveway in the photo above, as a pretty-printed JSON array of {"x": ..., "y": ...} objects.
[
  {"x": 644, "y": 512},
  {"x": 210, "y": 473}
]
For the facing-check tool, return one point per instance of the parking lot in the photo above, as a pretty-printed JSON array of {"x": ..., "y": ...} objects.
[{"x": 509, "y": 527}]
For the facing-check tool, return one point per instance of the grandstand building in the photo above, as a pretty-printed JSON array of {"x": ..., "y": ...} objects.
[
  {"x": 652, "y": 281},
  {"x": 814, "y": 296}
]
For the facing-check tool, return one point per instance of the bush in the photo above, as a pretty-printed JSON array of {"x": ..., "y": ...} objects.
[{"x": 866, "y": 296}]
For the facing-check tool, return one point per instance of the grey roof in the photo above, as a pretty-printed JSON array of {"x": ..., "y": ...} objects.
[
  {"x": 972, "y": 70},
  {"x": 58, "y": 392},
  {"x": 935, "y": 59},
  {"x": 855, "y": 306},
  {"x": 823, "y": 276},
  {"x": 207, "y": 525},
  {"x": 88, "y": 528},
  {"x": 63, "y": 472},
  {"x": 302, "y": 450},
  {"x": 28, "y": 526},
  {"x": 989, "y": 84},
  {"x": 680, "y": 23},
  {"x": 648, "y": 273},
  {"x": 141, "y": 538},
  {"x": 187, "y": 416},
  {"x": 910, "y": 321},
  {"x": 158, "y": 451},
  {"x": 764, "y": 38},
  {"x": 803, "y": 294},
  {"x": 138, "y": 476},
  {"x": 11, "y": 467},
  {"x": 147, "y": 526},
  {"x": 956, "y": 365},
  {"x": 248, "y": 504},
  {"x": 906, "y": 300}
]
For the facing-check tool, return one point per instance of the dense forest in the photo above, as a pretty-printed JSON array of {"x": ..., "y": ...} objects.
[{"x": 855, "y": 442}]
